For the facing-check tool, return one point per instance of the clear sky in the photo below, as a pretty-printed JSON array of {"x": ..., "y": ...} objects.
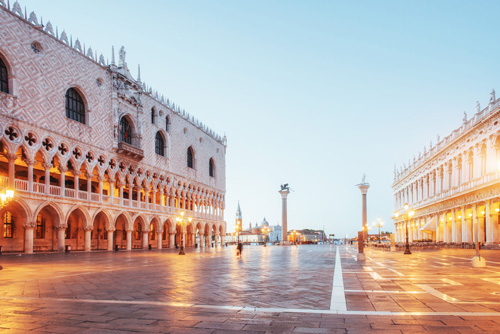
[{"x": 310, "y": 93}]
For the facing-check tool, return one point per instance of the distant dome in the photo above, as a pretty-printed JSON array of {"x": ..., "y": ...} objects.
[{"x": 264, "y": 222}]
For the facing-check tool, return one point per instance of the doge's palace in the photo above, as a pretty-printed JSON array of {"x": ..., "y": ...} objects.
[
  {"x": 454, "y": 186},
  {"x": 97, "y": 159}
]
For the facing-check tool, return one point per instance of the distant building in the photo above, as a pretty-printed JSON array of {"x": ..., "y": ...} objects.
[
  {"x": 453, "y": 186},
  {"x": 254, "y": 234}
]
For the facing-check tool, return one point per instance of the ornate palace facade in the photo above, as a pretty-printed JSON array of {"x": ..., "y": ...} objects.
[
  {"x": 97, "y": 159},
  {"x": 454, "y": 186}
]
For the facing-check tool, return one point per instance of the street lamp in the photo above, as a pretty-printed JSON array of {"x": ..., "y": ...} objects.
[
  {"x": 378, "y": 224},
  {"x": 294, "y": 235},
  {"x": 181, "y": 221},
  {"x": 406, "y": 216},
  {"x": 266, "y": 231},
  {"x": 5, "y": 197}
]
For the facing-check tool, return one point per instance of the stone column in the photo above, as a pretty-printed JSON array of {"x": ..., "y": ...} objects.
[
  {"x": 63, "y": 171},
  {"x": 145, "y": 239},
  {"x": 453, "y": 226},
  {"x": 202, "y": 240},
  {"x": 12, "y": 169},
  {"x": 363, "y": 187},
  {"x": 29, "y": 228},
  {"x": 129, "y": 239},
  {"x": 171, "y": 244},
  {"x": 30, "y": 163},
  {"x": 88, "y": 238},
  {"x": 47, "y": 167},
  {"x": 222, "y": 240},
  {"x": 100, "y": 179},
  {"x": 76, "y": 175},
  {"x": 159, "y": 236},
  {"x": 61, "y": 241},
  {"x": 284, "y": 193},
  {"x": 110, "y": 239},
  {"x": 489, "y": 223},
  {"x": 111, "y": 191}
]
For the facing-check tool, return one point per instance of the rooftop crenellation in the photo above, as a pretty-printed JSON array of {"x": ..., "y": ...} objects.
[{"x": 92, "y": 55}]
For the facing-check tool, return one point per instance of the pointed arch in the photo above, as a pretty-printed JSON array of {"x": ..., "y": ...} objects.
[
  {"x": 160, "y": 144},
  {"x": 53, "y": 209},
  {"x": 190, "y": 157},
  {"x": 129, "y": 223},
  {"x": 4, "y": 75},
  {"x": 211, "y": 167}
]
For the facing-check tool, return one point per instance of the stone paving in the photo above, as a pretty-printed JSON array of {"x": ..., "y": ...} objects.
[{"x": 269, "y": 290}]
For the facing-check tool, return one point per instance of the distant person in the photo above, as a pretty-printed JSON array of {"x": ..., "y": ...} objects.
[{"x": 239, "y": 249}]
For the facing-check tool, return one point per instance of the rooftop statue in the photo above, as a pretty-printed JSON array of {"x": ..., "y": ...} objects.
[
  {"x": 492, "y": 96},
  {"x": 465, "y": 117},
  {"x": 122, "y": 55}
]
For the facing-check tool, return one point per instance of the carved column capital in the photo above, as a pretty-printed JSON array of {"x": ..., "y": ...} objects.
[
  {"x": 29, "y": 162},
  {"x": 11, "y": 157},
  {"x": 47, "y": 165},
  {"x": 29, "y": 224},
  {"x": 88, "y": 228}
]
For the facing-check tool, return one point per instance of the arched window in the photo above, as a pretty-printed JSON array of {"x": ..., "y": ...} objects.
[
  {"x": 211, "y": 168},
  {"x": 40, "y": 227},
  {"x": 138, "y": 232},
  {"x": 159, "y": 144},
  {"x": 153, "y": 115},
  {"x": 125, "y": 131},
  {"x": 75, "y": 108},
  {"x": 167, "y": 122},
  {"x": 8, "y": 225},
  {"x": 190, "y": 157},
  {"x": 152, "y": 229},
  {"x": 4, "y": 78}
]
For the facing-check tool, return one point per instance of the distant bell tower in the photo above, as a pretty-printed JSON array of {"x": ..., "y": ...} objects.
[{"x": 239, "y": 218}]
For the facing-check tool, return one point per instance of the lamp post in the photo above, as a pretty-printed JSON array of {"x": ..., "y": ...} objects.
[
  {"x": 294, "y": 236},
  {"x": 181, "y": 221},
  {"x": 406, "y": 216},
  {"x": 379, "y": 223},
  {"x": 266, "y": 231}
]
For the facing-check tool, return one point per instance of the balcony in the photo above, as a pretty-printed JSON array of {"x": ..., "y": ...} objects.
[
  {"x": 86, "y": 198},
  {"x": 130, "y": 151}
]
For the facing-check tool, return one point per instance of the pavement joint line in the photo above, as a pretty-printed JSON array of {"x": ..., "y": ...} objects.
[
  {"x": 436, "y": 293},
  {"x": 450, "y": 281},
  {"x": 397, "y": 272},
  {"x": 261, "y": 309},
  {"x": 385, "y": 291},
  {"x": 338, "y": 302}
]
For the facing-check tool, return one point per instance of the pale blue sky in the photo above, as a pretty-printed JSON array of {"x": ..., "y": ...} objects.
[{"x": 310, "y": 93}]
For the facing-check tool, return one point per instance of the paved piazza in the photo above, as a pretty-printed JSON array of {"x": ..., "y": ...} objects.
[{"x": 304, "y": 289}]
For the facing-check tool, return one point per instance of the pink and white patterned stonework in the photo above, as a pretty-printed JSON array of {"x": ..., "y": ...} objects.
[{"x": 74, "y": 174}]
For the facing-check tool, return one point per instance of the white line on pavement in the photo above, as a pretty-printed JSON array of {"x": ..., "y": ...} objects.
[
  {"x": 337, "y": 302},
  {"x": 253, "y": 309}
]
